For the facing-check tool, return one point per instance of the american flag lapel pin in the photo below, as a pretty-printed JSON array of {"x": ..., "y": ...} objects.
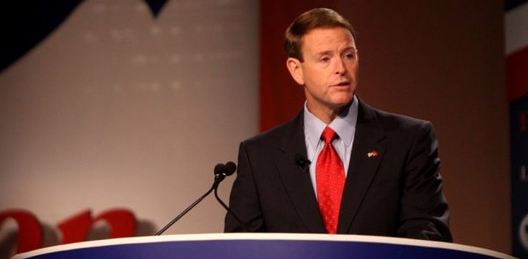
[{"x": 373, "y": 153}]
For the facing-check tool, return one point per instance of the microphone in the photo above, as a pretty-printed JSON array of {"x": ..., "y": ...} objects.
[
  {"x": 302, "y": 163},
  {"x": 220, "y": 172}
]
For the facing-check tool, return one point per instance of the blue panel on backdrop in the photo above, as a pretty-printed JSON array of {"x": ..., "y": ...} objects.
[{"x": 519, "y": 156}]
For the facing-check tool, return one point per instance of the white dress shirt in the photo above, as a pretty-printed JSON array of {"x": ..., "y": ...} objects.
[{"x": 345, "y": 127}]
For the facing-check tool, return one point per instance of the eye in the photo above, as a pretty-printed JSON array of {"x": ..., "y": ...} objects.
[
  {"x": 324, "y": 59},
  {"x": 350, "y": 55}
]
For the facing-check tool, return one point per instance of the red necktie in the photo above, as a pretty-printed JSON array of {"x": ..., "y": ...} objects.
[{"x": 330, "y": 177}]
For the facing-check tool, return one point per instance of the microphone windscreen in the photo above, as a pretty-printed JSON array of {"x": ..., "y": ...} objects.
[
  {"x": 230, "y": 168},
  {"x": 219, "y": 169}
]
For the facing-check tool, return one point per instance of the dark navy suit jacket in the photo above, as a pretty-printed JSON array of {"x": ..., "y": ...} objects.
[{"x": 396, "y": 190}]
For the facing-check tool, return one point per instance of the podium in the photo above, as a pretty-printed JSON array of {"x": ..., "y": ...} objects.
[{"x": 261, "y": 246}]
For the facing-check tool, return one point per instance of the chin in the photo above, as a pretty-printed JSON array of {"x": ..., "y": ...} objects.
[{"x": 343, "y": 101}]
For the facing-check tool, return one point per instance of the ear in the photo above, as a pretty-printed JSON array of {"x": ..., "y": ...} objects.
[{"x": 296, "y": 71}]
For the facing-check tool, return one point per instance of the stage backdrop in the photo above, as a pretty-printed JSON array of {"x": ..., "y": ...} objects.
[
  {"x": 119, "y": 113},
  {"x": 122, "y": 111}
]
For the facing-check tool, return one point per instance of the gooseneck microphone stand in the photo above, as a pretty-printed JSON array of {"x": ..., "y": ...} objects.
[{"x": 220, "y": 172}]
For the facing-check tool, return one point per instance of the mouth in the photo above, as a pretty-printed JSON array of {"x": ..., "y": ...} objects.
[{"x": 344, "y": 83}]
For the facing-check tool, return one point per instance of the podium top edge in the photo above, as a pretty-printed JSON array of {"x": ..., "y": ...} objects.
[{"x": 264, "y": 236}]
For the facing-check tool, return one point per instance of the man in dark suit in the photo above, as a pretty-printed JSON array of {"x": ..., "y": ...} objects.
[{"x": 340, "y": 166}]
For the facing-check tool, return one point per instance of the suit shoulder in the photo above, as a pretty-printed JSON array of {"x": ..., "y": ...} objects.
[
  {"x": 398, "y": 127},
  {"x": 274, "y": 135},
  {"x": 389, "y": 120}
]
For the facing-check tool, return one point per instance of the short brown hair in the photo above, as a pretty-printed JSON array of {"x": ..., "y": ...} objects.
[{"x": 304, "y": 23}]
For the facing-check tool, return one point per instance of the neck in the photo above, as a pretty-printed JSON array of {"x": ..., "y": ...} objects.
[{"x": 326, "y": 114}]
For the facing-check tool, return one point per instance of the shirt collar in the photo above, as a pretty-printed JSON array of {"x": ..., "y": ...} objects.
[{"x": 342, "y": 125}]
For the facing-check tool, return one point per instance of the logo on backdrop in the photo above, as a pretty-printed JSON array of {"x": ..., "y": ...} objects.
[
  {"x": 79, "y": 227},
  {"x": 49, "y": 16}
]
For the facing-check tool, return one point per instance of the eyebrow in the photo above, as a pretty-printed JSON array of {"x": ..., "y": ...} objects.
[
  {"x": 325, "y": 52},
  {"x": 328, "y": 52},
  {"x": 350, "y": 48}
]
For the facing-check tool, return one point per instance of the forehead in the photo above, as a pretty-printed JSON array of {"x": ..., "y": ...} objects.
[{"x": 322, "y": 39}]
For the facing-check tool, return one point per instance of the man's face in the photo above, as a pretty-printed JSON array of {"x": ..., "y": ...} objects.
[{"x": 329, "y": 72}]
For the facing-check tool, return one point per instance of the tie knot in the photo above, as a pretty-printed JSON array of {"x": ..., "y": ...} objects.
[{"x": 328, "y": 135}]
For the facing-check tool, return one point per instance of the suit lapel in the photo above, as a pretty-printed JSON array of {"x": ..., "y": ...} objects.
[
  {"x": 298, "y": 183},
  {"x": 367, "y": 152}
]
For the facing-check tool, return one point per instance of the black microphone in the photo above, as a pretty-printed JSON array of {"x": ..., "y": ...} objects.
[
  {"x": 228, "y": 170},
  {"x": 302, "y": 163},
  {"x": 220, "y": 172}
]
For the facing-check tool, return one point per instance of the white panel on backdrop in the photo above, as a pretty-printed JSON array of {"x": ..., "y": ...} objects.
[{"x": 118, "y": 109}]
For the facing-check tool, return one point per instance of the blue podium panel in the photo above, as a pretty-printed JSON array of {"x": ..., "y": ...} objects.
[{"x": 261, "y": 246}]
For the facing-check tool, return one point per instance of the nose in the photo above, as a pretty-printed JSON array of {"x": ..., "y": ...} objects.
[{"x": 340, "y": 67}]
